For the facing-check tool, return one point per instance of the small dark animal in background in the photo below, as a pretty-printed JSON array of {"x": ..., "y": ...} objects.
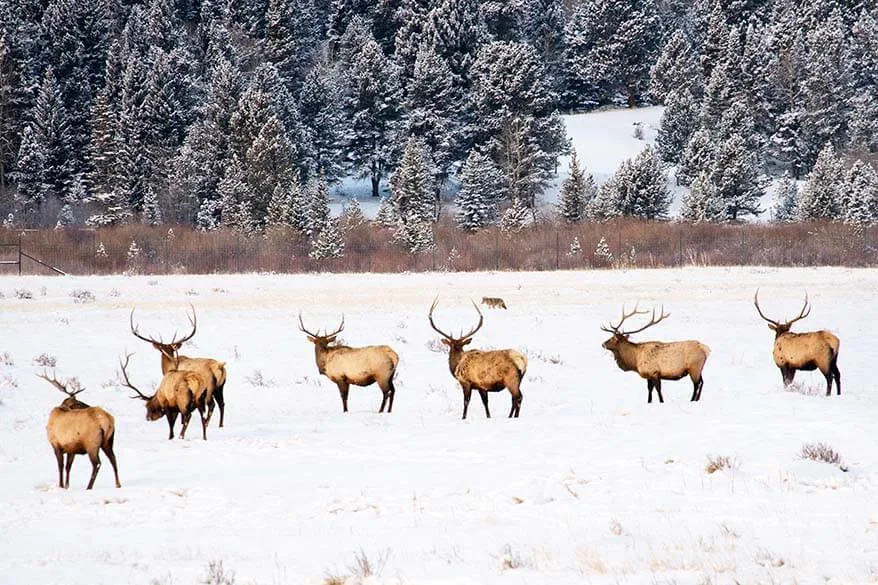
[{"x": 494, "y": 302}]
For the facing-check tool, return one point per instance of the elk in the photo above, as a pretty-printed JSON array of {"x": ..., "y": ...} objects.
[
  {"x": 803, "y": 351},
  {"x": 75, "y": 428},
  {"x": 212, "y": 372},
  {"x": 654, "y": 360},
  {"x": 485, "y": 371},
  {"x": 360, "y": 366},
  {"x": 179, "y": 392}
]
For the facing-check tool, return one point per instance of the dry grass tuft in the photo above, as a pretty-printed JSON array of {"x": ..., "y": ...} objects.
[
  {"x": 719, "y": 462},
  {"x": 824, "y": 453}
]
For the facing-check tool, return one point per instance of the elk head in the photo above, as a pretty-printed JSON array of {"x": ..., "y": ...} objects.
[
  {"x": 321, "y": 341},
  {"x": 153, "y": 410},
  {"x": 776, "y": 326},
  {"x": 455, "y": 344},
  {"x": 169, "y": 350},
  {"x": 620, "y": 336},
  {"x": 71, "y": 401}
]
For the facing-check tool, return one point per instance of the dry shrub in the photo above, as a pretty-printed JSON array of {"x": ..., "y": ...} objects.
[
  {"x": 46, "y": 360},
  {"x": 369, "y": 248},
  {"x": 823, "y": 452},
  {"x": 363, "y": 567},
  {"x": 217, "y": 575},
  {"x": 509, "y": 559},
  {"x": 719, "y": 462}
]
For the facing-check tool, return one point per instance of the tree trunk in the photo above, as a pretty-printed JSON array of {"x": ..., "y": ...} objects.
[{"x": 376, "y": 180}]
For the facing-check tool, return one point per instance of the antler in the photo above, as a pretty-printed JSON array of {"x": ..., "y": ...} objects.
[
  {"x": 62, "y": 387},
  {"x": 806, "y": 310},
  {"x": 615, "y": 328},
  {"x": 317, "y": 335},
  {"x": 462, "y": 336},
  {"x": 761, "y": 314},
  {"x": 193, "y": 320},
  {"x": 127, "y": 382}
]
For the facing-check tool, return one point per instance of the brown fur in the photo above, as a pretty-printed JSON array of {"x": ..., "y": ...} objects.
[
  {"x": 75, "y": 428},
  {"x": 655, "y": 360},
  {"x": 484, "y": 371},
  {"x": 358, "y": 366},
  {"x": 494, "y": 302},
  {"x": 179, "y": 392},
  {"x": 813, "y": 350}
]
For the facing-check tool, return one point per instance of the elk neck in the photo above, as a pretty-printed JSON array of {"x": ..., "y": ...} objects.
[
  {"x": 455, "y": 354},
  {"x": 626, "y": 355},
  {"x": 322, "y": 353}
]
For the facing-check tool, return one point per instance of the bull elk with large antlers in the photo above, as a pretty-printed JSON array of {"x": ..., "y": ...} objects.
[
  {"x": 211, "y": 371},
  {"x": 803, "y": 351},
  {"x": 654, "y": 360},
  {"x": 75, "y": 428},
  {"x": 179, "y": 392},
  {"x": 484, "y": 371},
  {"x": 360, "y": 366}
]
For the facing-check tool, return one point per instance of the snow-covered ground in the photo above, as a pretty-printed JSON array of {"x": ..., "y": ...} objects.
[
  {"x": 602, "y": 139},
  {"x": 590, "y": 485}
]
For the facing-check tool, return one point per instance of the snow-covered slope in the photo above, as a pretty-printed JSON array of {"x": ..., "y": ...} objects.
[{"x": 590, "y": 485}]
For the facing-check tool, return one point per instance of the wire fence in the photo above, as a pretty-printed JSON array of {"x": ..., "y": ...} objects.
[{"x": 368, "y": 248}]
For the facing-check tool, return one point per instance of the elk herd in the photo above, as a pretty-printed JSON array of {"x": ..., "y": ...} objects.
[{"x": 189, "y": 384}]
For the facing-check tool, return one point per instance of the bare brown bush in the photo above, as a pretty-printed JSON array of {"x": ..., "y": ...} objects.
[
  {"x": 823, "y": 453},
  {"x": 719, "y": 462},
  {"x": 368, "y": 248}
]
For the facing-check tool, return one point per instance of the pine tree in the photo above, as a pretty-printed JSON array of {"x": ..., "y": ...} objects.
[
  {"x": 291, "y": 37},
  {"x": 861, "y": 185},
  {"x": 268, "y": 164},
  {"x": 352, "y": 214},
  {"x": 604, "y": 205},
  {"x": 318, "y": 207},
  {"x": 676, "y": 69},
  {"x": 375, "y": 110},
  {"x": 13, "y": 102},
  {"x": 786, "y": 148},
  {"x": 821, "y": 194},
  {"x": 416, "y": 235},
  {"x": 235, "y": 197},
  {"x": 412, "y": 185},
  {"x": 699, "y": 154},
  {"x": 602, "y": 254},
  {"x": 575, "y": 248},
  {"x": 321, "y": 107},
  {"x": 65, "y": 217},
  {"x": 152, "y": 213},
  {"x": 786, "y": 198},
  {"x": 455, "y": 30},
  {"x": 716, "y": 97},
  {"x": 679, "y": 122},
  {"x": 280, "y": 209},
  {"x": 573, "y": 192},
  {"x": 329, "y": 243},
  {"x": 515, "y": 218},
  {"x": 52, "y": 132},
  {"x": 31, "y": 174},
  {"x": 481, "y": 183},
  {"x": 543, "y": 28},
  {"x": 386, "y": 216},
  {"x": 639, "y": 187},
  {"x": 113, "y": 209},
  {"x": 735, "y": 175},
  {"x": 702, "y": 202}
]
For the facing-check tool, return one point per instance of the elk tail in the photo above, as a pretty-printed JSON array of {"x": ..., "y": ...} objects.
[
  {"x": 520, "y": 361},
  {"x": 219, "y": 372},
  {"x": 704, "y": 348}
]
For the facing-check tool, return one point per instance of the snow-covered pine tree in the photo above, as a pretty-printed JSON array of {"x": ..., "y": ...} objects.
[
  {"x": 268, "y": 163},
  {"x": 861, "y": 186},
  {"x": 456, "y": 31},
  {"x": 698, "y": 155},
  {"x": 52, "y": 132},
  {"x": 602, "y": 254},
  {"x": 821, "y": 195},
  {"x": 328, "y": 243},
  {"x": 412, "y": 185},
  {"x": 280, "y": 212},
  {"x": 575, "y": 248},
  {"x": 481, "y": 185},
  {"x": 65, "y": 217},
  {"x": 515, "y": 218},
  {"x": 573, "y": 192},
  {"x": 234, "y": 201},
  {"x": 677, "y": 69},
  {"x": 786, "y": 148},
  {"x": 112, "y": 209},
  {"x": 604, "y": 205},
  {"x": 702, "y": 202},
  {"x": 321, "y": 107},
  {"x": 786, "y": 199},
  {"x": 352, "y": 214},
  {"x": 31, "y": 175},
  {"x": 639, "y": 187},
  {"x": 416, "y": 235},
  {"x": 610, "y": 47},
  {"x": 151, "y": 213},
  {"x": 375, "y": 109},
  {"x": 543, "y": 28},
  {"x": 386, "y": 216},
  {"x": 716, "y": 97},
  {"x": 736, "y": 178},
  {"x": 292, "y": 36},
  {"x": 680, "y": 120},
  {"x": 318, "y": 214}
]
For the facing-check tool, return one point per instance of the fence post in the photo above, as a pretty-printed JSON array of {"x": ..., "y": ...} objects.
[
  {"x": 19, "y": 253},
  {"x": 497, "y": 249},
  {"x": 742, "y": 245},
  {"x": 557, "y": 251},
  {"x": 680, "y": 262}
]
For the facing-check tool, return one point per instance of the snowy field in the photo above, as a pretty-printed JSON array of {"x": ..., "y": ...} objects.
[{"x": 590, "y": 485}]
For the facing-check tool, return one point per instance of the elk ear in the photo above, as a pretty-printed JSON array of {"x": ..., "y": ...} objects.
[
  {"x": 312, "y": 339},
  {"x": 772, "y": 327},
  {"x": 467, "y": 341},
  {"x": 157, "y": 346},
  {"x": 331, "y": 339},
  {"x": 446, "y": 342}
]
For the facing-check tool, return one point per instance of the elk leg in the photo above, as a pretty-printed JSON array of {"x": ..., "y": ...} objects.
[
  {"x": 837, "y": 373},
  {"x": 516, "y": 404},
  {"x": 70, "y": 457},
  {"x": 658, "y": 389},
  {"x": 210, "y": 406},
  {"x": 788, "y": 374},
  {"x": 696, "y": 389},
  {"x": 108, "y": 450},
  {"x": 483, "y": 394},
  {"x": 95, "y": 466},
  {"x": 649, "y": 384},
  {"x": 392, "y": 393},
  {"x": 185, "y": 418},
  {"x": 221, "y": 402},
  {"x": 60, "y": 457},
  {"x": 467, "y": 394},
  {"x": 204, "y": 421},
  {"x": 171, "y": 415},
  {"x": 343, "y": 388}
]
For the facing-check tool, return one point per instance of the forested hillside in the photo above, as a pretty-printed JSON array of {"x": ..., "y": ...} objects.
[{"x": 243, "y": 114}]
